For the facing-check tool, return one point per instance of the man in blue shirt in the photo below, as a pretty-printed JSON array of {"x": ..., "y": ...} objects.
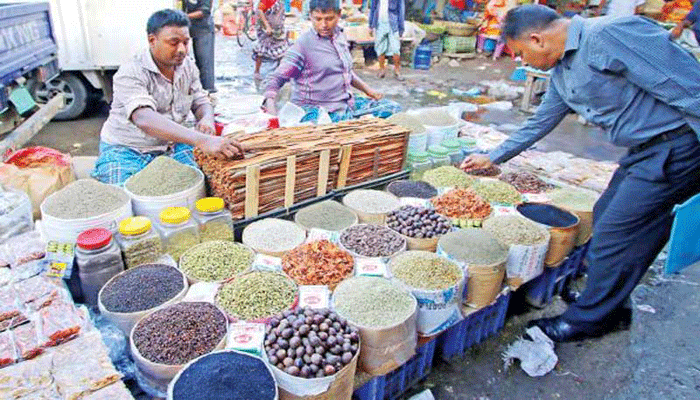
[
  {"x": 628, "y": 77},
  {"x": 690, "y": 20}
]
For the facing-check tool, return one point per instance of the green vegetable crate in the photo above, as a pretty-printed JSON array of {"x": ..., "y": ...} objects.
[{"x": 459, "y": 44}]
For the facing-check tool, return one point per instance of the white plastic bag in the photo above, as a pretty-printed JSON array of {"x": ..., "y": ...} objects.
[
  {"x": 290, "y": 115},
  {"x": 15, "y": 213}
]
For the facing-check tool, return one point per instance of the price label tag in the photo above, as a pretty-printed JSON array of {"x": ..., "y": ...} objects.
[
  {"x": 248, "y": 337},
  {"x": 267, "y": 263},
  {"x": 504, "y": 210},
  {"x": 314, "y": 296},
  {"x": 537, "y": 197},
  {"x": 370, "y": 267},
  {"x": 316, "y": 234}
]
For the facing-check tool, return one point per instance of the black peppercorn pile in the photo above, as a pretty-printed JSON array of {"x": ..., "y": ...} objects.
[
  {"x": 418, "y": 222},
  {"x": 225, "y": 376},
  {"x": 142, "y": 288},
  {"x": 180, "y": 333},
  {"x": 311, "y": 343},
  {"x": 372, "y": 240}
]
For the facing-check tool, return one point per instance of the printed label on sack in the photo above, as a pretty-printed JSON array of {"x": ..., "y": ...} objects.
[
  {"x": 415, "y": 202},
  {"x": 316, "y": 234},
  {"x": 370, "y": 267},
  {"x": 248, "y": 337},
  {"x": 267, "y": 263},
  {"x": 537, "y": 197},
  {"x": 314, "y": 296},
  {"x": 504, "y": 210}
]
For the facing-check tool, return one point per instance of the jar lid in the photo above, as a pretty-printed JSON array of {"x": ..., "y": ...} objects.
[
  {"x": 451, "y": 144},
  {"x": 467, "y": 141},
  {"x": 437, "y": 150},
  {"x": 134, "y": 226},
  {"x": 174, "y": 215},
  {"x": 92, "y": 239},
  {"x": 210, "y": 204}
]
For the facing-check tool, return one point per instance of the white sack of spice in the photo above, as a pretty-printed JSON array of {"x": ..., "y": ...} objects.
[
  {"x": 84, "y": 198},
  {"x": 371, "y": 201},
  {"x": 273, "y": 236},
  {"x": 437, "y": 283},
  {"x": 527, "y": 244}
]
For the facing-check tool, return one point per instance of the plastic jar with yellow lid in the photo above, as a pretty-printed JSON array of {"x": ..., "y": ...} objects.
[
  {"x": 178, "y": 230},
  {"x": 138, "y": 241},
  {"x": 214, "y": 220}
]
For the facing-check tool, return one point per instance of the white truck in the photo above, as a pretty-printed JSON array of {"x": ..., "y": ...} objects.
[{"x": 94, "y": 38}]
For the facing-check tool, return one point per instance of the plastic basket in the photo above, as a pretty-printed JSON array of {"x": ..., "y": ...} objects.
[
  {"x": 683, "y": 249},
  {"x": 392, "y": 385},
  {"x": 436, "y": 46},
  {"x": 474, "y": 328},
  {"x": 539, "y": 291},
  {"x": 459, "y": 44}
]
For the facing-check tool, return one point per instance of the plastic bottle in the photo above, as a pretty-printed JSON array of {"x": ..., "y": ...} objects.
[
  {"x": 439, "y": 155},
  {"x": 214, "y": 221},
  {"x": 99, "y": 259},
  {"x": 418, "y": 163},
  {"x": 179, "y": 232},
  {"x": 455, "y": 150},
  {"x": 140, "y": 244}
]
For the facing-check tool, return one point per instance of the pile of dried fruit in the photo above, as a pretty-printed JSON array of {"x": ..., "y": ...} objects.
[
  {"x": 462, "y": 203},
  {"x": 311, "y": 343},
  {"x": 372, "y": 240},
  {"x": 318, "y": 263},
  {"x": 418, "y": 222},
  {"x": 526, "y": 182}
]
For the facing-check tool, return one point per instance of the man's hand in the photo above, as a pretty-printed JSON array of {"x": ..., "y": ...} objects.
[
  {"x": 677, "y": 31},
  {"x": 206, "y": 126},
  {"x": 268, "y": 30},
  {"x": 476, "y": 161},
  {"x": 221, "y": 146},
  {"x": 374, "y": 95},
  {"x": 269, "y": 106}
]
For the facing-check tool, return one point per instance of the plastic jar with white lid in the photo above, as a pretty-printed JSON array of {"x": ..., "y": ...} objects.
[
  {"x": 178, "y": 230},
  {"x": 214, "y": 220},
  {"x": 99, "y": 259}
]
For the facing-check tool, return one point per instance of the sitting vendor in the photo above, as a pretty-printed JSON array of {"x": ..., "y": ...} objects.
[
  {"x": 153, "y": 94},
  {"x": 321, "y": 66}
]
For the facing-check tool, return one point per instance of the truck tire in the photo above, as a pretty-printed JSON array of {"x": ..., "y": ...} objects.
[{"x": 72, "y": 87}]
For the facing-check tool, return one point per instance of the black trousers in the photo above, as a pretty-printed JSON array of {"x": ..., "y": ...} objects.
[
  {"x": 632, "y": 223},
  {"x": 203, "y": 46}
]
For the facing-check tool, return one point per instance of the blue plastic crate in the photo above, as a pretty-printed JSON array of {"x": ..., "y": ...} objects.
[
  {"x": 392, "y": 385},
  {"x": 684, "y": 245},
  {"x": 474, "y": 329},
  {"x": 539, "y": 291}
]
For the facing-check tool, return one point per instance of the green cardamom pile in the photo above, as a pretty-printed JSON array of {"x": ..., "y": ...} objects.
[
  {"x": 494, "y": 191},
  {"x": 257, "y": 295},
  {"x": 448, "y": 176},
  {"x": 424, "y": 270},
  {"x": 216, "y": 261}
]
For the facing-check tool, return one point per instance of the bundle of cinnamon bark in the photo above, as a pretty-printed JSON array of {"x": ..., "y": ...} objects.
[{"x": 356, "y": 151}]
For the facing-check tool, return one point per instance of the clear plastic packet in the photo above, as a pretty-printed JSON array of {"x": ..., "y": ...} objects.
[
  {"x": 13, "y": 322},
  {"x": 8, "y": 304},
  {"x": 8, "y": 351},
  {"x": 45, "y": 393},
  {"x": 115, "y": 391},
  {"x": 23, "y": 380},
  {"x": 116, "y": 343},
  {"x": 6, "y": 276},
  {"x": 60, "y": 322},
  {"x": 37, "y": 292},
  {"x": 28, "y": 340},
  {"x": 82, "y": 366},
  {"x": 27, "y": 270},
  {"x": 15, "y": 213},
  {"x": 24, "y": 248}
]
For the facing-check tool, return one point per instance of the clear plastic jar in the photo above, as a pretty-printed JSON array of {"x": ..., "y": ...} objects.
[
  {"x": 99, "y": 258},
  {"x": 468, "y": 145},
  {"x": 214, "y": 221},
  {"x": 140, "y": 244},
  {"x": 418, "y": 163},
  {"x": 439, "y": 155},
  {"x": 179, "y": 232},
  {"x": 455, "y": 150}
]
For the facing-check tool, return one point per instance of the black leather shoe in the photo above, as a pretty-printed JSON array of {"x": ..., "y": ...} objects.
[{"x": 561, "y": 331}]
